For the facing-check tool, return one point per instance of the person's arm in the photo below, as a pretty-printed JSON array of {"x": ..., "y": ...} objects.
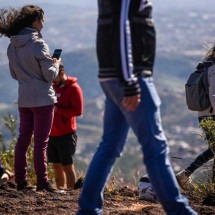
[
  {"x": 125, "y": 63},
  {"x": 143, "y": 37},
  {"x": 49, "y": 67},
  {"x": 12, "y": 72},
  {"x": 137, "y": 41},
  {"x": 137, "y": 48}
]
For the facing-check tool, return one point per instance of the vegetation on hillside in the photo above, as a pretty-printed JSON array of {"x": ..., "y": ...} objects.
[
  {"x": 208, "y": 126},
  {"x": 7, "y": 156},
  {"x": 7, "y": 152}
]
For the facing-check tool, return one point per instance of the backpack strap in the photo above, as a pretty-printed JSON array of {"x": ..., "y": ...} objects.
[
  {"x": 208, "y": 63},
  {"x": 204, "y": 66},
  {"x": 200, "y": 66}
]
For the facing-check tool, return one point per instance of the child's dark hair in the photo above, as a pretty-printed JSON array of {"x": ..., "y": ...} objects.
[{"x": 12, "y": 21}]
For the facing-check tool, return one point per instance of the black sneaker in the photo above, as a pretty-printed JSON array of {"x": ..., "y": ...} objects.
[
  {"x": 24, "y": 186},
  {"x": 79, "y": 183},
  {"x": 47, "y": 186}
]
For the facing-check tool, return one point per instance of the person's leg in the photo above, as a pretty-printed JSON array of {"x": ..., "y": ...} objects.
[
  {"x": 146, "y": 124},
  {"x": 54, "y": 158},
  {"x": 59, "y": 175},
  {"x": 70, "y": 175},
  {"x": 199, "y": 161},
  {"x": 43, "y": 117},
  {"x": 24, "y": 139},
  {"x": 66, "y": 147},
  {"x": 115, "y": 131}
]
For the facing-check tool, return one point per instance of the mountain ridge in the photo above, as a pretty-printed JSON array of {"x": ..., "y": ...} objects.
[{"x": 181, "y": 37}]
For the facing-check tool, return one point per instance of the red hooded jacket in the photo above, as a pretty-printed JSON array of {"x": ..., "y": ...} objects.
[{"x": 70, "y": 105}]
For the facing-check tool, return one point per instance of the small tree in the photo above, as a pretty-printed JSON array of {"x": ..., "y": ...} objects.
[
  {"x": 208, "y": 127},
  {"x": 7, "y": 154}
]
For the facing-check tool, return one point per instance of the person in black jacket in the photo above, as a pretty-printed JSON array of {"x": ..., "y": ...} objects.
[{"x": 126, "y": 40}]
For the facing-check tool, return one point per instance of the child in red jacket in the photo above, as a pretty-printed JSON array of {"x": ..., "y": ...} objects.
[{"x": 63, "y": 137}]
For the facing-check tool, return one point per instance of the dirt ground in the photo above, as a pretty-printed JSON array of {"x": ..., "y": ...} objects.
[{"x": 117, "y": 202}]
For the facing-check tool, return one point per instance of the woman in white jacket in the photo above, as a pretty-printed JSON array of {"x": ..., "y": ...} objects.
[{"x": 31, "y": 65}]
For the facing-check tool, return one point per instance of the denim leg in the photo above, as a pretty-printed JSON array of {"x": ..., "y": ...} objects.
[
  {"x": 114, "y": 135},
  {"x": 43, "y": 117},
  {"x": 23, "y": 142},
  {"x": 146, "y": 124}
]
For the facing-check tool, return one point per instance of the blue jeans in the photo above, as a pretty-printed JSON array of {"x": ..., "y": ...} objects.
[{"x": 146, "y": 124}]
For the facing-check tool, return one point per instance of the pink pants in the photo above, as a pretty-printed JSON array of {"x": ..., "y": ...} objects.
[{"x": 35, "y": 121}]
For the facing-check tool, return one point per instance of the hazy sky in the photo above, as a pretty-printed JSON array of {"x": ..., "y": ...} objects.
[
  {"x": 86, "y": 3},
  {"x": 159, "y": 4}
]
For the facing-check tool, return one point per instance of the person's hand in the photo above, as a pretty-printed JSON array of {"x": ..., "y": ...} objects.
[
  {"x": 55, "y": 60},
  {"x": 131, "y": 102},
  {"x": 55, "y": 108}
]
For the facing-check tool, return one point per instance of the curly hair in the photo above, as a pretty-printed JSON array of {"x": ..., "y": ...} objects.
[{"x": 12, "y": 21}]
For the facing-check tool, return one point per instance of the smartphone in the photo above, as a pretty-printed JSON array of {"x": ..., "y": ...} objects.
[{"x": 57, "y": 53}]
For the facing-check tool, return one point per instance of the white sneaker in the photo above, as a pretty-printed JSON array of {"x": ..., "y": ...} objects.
[
  {"x": 145, "y": 189},
  {"x": 184, "y": 180}
]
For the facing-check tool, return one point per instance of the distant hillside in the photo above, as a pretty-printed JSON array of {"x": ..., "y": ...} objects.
[
  {"x": 181, "y": 36},
  {"x": 83, "y": 64},
  {"x": 170, "y": 73},
  {"x": 183, "y": 4}
]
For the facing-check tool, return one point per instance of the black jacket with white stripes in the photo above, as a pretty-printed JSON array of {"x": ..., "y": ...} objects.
[{"x": 126, "y": 41}]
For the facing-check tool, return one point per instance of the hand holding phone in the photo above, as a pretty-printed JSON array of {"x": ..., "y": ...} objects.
[{"x": 57, "y": 53}]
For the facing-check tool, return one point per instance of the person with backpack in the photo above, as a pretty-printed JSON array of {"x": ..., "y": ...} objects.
[
  {"x": 126, "y": 40},
  {"x": 63, "y": 136},
  {"x": 184, "y": 176}
]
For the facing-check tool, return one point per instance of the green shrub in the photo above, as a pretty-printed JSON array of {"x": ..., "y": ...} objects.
[
  {"x": 208, "y": 128},
  {"x": 7, "y": 153}
]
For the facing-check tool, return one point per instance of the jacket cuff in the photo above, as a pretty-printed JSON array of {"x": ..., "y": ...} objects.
[{"x": 131, "y": 89}]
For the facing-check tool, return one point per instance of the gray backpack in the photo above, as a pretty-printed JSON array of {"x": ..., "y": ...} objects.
[{"x": 197, "y": 88}]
